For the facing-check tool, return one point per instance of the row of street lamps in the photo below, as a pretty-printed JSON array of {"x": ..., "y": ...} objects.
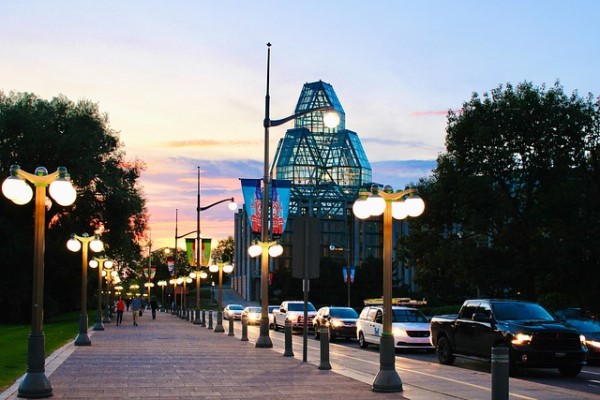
[{"x": 399, "y": 205}]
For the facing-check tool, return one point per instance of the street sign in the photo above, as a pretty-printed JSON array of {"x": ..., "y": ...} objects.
[{"x": 307, "y": 244}]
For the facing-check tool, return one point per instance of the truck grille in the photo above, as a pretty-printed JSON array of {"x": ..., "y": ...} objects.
[{"x": 556, "y": 341}]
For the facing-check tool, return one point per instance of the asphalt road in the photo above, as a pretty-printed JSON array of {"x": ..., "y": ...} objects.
[{"x": 424, "y": 378}]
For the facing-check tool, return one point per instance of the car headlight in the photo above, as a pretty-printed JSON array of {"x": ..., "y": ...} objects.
[
  {"x": 336, "y": 323},
  {"x": 521, "y": 339},
  {"x": 398, "y": 332}
]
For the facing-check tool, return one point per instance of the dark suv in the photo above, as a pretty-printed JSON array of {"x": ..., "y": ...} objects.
[{"x": 341, "y": 322}]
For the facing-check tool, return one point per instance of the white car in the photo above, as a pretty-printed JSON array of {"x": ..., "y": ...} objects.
[
  {"x": 409, "y": 327},
  {"x": 252, "y": 314},
  {"x": 233, "y": 311}
]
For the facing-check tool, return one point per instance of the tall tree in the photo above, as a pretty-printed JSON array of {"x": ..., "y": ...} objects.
[
  {"x": 514, "y": 203},
  {"x": 36, "y": 132}
]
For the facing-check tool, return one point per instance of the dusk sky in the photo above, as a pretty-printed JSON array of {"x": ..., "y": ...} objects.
[{"x": 184, "y": 81}]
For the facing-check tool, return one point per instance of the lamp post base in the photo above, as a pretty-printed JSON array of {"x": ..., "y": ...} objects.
[
  {"x": 264, "y": 340},
  {"x": 35, "y": 385},
  {"x": 82, "y": 338},
  {"x": 387, "y": 380}
]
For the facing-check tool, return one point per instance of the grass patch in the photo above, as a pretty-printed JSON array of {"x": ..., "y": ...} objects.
[{"x": 14, "y": 340}]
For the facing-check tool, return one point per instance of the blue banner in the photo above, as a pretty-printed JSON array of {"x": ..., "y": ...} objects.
[
  {"x": 280, "y": 199},
  {"x": 346, "y": 273},
  {"x": 280, "y": 204},
  {"x": 251, "y": 189}
]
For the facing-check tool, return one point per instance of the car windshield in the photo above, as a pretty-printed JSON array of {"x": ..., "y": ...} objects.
[
  {"x": 343, "y": 313},
  {"x": 300, "y": 307},
  {"x": 520, "y": 311},
  {"x": 254, "y": 309},
  {"x": 585, "y": 325},
  {"x": 236, "y": 307},
  {"x": 408, "y": 316}
]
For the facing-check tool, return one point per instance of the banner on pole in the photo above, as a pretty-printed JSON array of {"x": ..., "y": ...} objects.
[
  {"x": 280, "y": 199},
  {"x": 190, "y": 247},
  {"x": 252, "y": 192},
  {"x": 346, "y": 273},
  {"x": 205, "y": 251}
]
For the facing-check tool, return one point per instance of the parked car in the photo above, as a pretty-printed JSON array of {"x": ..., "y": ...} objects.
[
  {"x": 293, "y": 311},
  {"x": 233, "y": 311},
  {"x": 341, "y": 322},
  {"x": 409, "y": 327},
  {"x": 586, "y": 326},
  {"x": 534, "y": 338},
  {"x": 253, "y": 314},
  {"x": 270, "y": 309}
]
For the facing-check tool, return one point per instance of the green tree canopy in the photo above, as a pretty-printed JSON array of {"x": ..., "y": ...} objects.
[
  {"x": 513, "y": 207},
  {"x": 36, "y": 132}
]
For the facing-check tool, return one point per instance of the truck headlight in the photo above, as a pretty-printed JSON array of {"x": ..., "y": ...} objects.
[
  {"x": 592, "y": 343},
  {"x": 521, "y": 339}
]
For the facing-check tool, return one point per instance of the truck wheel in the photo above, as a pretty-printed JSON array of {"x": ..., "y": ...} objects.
[
  {"x": 444, "y": 351},
  {"x": 570, "y": 370},
  {"x": 275, "y": 326},
  {"x": 316, "y": 332},
  {"x": 361, "y": 341}
]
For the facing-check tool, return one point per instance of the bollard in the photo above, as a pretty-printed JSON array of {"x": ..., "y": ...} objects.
[
  {"x": 219, "y": 326},
  {"x": 324, "y": 334},
  {"x": 197, "y": 320},
  {"x": 244, "y": 328},
  {"x": 203, "y": 319},
  {"x": 230, "y": 327},
  {"x": 500, "y": 366},
  {"x": 209, "y": 319},
  {"x": 192, "y": 315},
  {"x": 288, "y": 340}
]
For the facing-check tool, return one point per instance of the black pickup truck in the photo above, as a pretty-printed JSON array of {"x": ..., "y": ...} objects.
[{"x": 534, "y": 338}]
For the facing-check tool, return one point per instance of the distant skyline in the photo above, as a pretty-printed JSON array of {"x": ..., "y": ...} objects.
[{"x": 183, "y": 82}]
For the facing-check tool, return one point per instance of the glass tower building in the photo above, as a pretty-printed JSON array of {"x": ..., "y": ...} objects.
[{"x": 326, "y": 167}]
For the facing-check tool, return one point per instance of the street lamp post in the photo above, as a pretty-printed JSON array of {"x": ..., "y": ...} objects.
[
  {"x": 264, "y": 341},
  {"x": 162, "y": 285},
  {"x": 398, "y": 205},
  {"x": 35, "y": 383},
  {"x": 227, "y": 268},
  {"x": 75, "y": 244},
  {"x": 198, "y": 274},
  {"x": 100, "y": 263}
]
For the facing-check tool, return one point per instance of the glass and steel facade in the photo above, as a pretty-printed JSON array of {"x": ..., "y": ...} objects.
[{"x": 326, "y": 167}]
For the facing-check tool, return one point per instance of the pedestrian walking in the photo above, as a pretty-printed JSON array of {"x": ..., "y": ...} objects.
[
  {"x": 120, "y": 310},
  {"x": 136, "y": 307},
  {"x": 153, "y": 307}
]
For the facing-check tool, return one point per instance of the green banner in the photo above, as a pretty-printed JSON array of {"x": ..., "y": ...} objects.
[
  {"x": 205, "y": 252},
  {"x": 190, "y": 246}
]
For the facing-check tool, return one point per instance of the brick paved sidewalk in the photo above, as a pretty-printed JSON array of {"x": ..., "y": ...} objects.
[{"x": 170, "y": 358}]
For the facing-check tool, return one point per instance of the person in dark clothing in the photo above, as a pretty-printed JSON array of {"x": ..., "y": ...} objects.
[{"x": 153, "y": 306}]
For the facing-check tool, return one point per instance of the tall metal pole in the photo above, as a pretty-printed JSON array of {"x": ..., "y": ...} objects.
[
  {"x": 387, "y": 380},
  {"x": 35, "y": 383},
  {"x": 149, "y": 280},
  {"x": 99, "y": 326},
  {"x": 82, "y": 338},
  {"x": 174, "y": 275},
  {"x": 264, "y": 340},
  {"x": 198, "y": 245}
]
